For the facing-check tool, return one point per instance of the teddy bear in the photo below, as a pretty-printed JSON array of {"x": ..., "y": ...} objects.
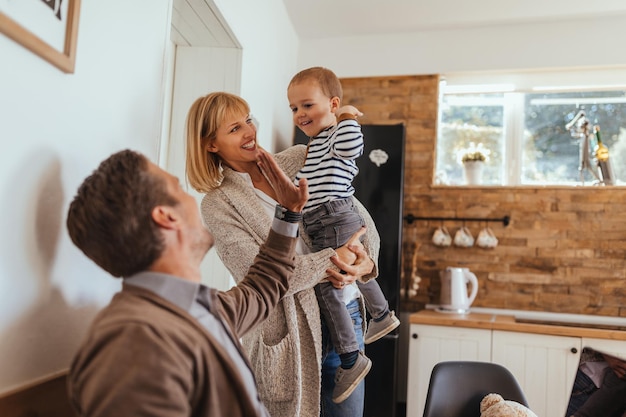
[{"x": 493, "y": 405}]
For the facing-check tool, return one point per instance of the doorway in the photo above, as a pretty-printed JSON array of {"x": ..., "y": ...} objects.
[{"x": 203, "y": 56}]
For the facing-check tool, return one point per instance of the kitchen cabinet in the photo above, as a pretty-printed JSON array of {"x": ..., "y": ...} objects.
[
  {"x": 430, "y": 345},
  {"x": 615, "y": 348},
  {"x": 544, "y": 365},
  {"x": 543, "y": 358}
]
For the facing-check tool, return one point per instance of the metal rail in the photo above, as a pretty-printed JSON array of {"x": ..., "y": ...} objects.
[{"x": 504, "y": 220}]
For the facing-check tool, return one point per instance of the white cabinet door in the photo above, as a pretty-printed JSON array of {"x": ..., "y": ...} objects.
[
  {"x": 615, "y": 348},
  {"x": 545, "y": 367},
  {"x": 430, "y": 345}
]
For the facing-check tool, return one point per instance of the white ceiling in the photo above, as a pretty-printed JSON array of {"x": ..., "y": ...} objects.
[
  {"x": 315, "y": 19},
  {"x": 198, "y": 23}
]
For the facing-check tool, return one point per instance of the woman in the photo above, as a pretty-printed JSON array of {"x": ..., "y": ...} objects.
[{"x": 286, "y": 351}]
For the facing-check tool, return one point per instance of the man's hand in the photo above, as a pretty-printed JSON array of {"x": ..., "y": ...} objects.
[{"x": 288, "y": 195}]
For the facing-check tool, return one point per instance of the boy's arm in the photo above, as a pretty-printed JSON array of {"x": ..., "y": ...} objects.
[{"x": 347, "y": 139}]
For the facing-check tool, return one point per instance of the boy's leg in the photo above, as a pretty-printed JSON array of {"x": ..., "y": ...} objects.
[
  {"x": 383, "y": 321},
  {"x": 354, "y": 364},
  {"x": 331, "y": 225},
  {"x": 375, "y": 301},
  {"x": 337, "y": 318},
  {"x": 354, "y": 404}
]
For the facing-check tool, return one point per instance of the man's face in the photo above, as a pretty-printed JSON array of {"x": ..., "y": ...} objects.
[{"x": 199, "y": 237}]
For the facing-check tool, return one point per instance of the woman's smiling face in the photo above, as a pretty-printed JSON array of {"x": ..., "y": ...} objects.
[{"x": 235, "y": 141}]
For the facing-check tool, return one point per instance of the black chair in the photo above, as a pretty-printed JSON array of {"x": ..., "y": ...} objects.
[{"x": 457, "y": 387}]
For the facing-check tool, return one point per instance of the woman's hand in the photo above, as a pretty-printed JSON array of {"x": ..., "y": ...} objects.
[
  {"x": 288, "y": 195},
  {"x": 347, "y": 255},
  {"x": 352, "y": 260}
]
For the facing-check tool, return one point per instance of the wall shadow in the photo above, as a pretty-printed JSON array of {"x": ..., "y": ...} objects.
[{"x": 40, "y": 330}]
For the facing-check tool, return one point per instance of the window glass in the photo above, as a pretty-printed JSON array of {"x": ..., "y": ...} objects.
[
  {"x": 527, "y": 140},
  {"x": 470, "y": 125},
  {"x": 555, "y": 155}
]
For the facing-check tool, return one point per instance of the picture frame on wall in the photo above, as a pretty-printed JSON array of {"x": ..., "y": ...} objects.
[{"x": 48, "y": 28}]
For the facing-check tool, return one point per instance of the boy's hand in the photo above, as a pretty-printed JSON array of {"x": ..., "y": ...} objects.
[{"x": 348, "y": 110}]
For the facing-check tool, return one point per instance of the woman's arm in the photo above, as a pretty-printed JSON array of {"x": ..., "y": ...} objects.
[{"x": 371, "y": 241}]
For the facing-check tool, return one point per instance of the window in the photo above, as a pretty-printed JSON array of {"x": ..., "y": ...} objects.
[{"x": 525, "y": 134}]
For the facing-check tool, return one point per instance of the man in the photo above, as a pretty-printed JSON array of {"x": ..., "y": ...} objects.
[{"x": 167, "y": 345}]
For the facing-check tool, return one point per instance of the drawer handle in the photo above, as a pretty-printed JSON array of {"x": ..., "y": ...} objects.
[
  {"x": 414, "y": 335},
  {"x": 574, "y": 350}
]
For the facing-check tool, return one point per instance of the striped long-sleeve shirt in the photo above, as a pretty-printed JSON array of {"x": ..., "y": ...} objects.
[{"x": 330, "y": 164}]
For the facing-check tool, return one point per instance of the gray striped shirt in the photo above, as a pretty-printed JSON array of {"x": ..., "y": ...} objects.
[{"x": 330, "y": 164}]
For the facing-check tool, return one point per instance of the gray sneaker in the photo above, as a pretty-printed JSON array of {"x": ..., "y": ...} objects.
[
  {"x": 377, "y": 329},
  {"x": 346, "y": 380}
]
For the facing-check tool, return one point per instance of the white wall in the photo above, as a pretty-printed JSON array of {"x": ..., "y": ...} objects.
[
  {"x": 270, "y": 47},
  {"x": 55, "y": 128},
  {"x": 512, "y": 47},
  {"x": 199, "y": 70}
]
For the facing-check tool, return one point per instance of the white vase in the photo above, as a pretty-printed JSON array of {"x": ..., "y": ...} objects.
[{"x": 473, "y": 171}]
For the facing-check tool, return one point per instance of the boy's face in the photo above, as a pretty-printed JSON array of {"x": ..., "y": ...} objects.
[{"x": 312, "y": 110}]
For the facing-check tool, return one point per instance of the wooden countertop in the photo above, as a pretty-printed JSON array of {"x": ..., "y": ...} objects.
[{"x": 509, "y": 323}]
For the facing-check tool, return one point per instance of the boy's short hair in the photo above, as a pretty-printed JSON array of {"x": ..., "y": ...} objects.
[{"x": 327, "y": 80}]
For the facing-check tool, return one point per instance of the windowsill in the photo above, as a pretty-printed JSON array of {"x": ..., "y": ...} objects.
[{"x": 525, "y": 186}]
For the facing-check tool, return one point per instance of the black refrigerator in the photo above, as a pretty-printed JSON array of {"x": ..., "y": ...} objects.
[{"x": 379, "y": 186}]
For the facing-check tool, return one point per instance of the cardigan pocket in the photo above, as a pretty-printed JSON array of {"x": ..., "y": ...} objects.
[{"x": 277, "y": 373}]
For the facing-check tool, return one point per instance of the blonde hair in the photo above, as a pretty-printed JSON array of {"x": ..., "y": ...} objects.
[
  {"x": 325, "y": 78},
  {"x": 204, "y": 168}
]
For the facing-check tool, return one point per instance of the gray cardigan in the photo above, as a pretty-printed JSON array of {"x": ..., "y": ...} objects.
[{"x": 285, "y": 350}]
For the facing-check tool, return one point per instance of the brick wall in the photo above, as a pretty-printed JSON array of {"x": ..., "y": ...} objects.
[{"x": 563, "y": 251}]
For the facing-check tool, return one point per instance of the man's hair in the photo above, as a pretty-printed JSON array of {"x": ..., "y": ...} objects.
[
  {"x": 110, "y": 218},
  {"x": 325, "y": 78}
]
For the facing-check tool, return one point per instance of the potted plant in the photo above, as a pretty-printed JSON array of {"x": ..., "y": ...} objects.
[{"x": 473, "y": 159}]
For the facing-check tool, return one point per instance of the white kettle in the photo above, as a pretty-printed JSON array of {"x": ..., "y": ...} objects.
[{"x": 454, "y": 291}]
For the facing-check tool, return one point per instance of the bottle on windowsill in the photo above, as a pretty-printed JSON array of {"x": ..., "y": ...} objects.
[{"x": 601, "y": 153}]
